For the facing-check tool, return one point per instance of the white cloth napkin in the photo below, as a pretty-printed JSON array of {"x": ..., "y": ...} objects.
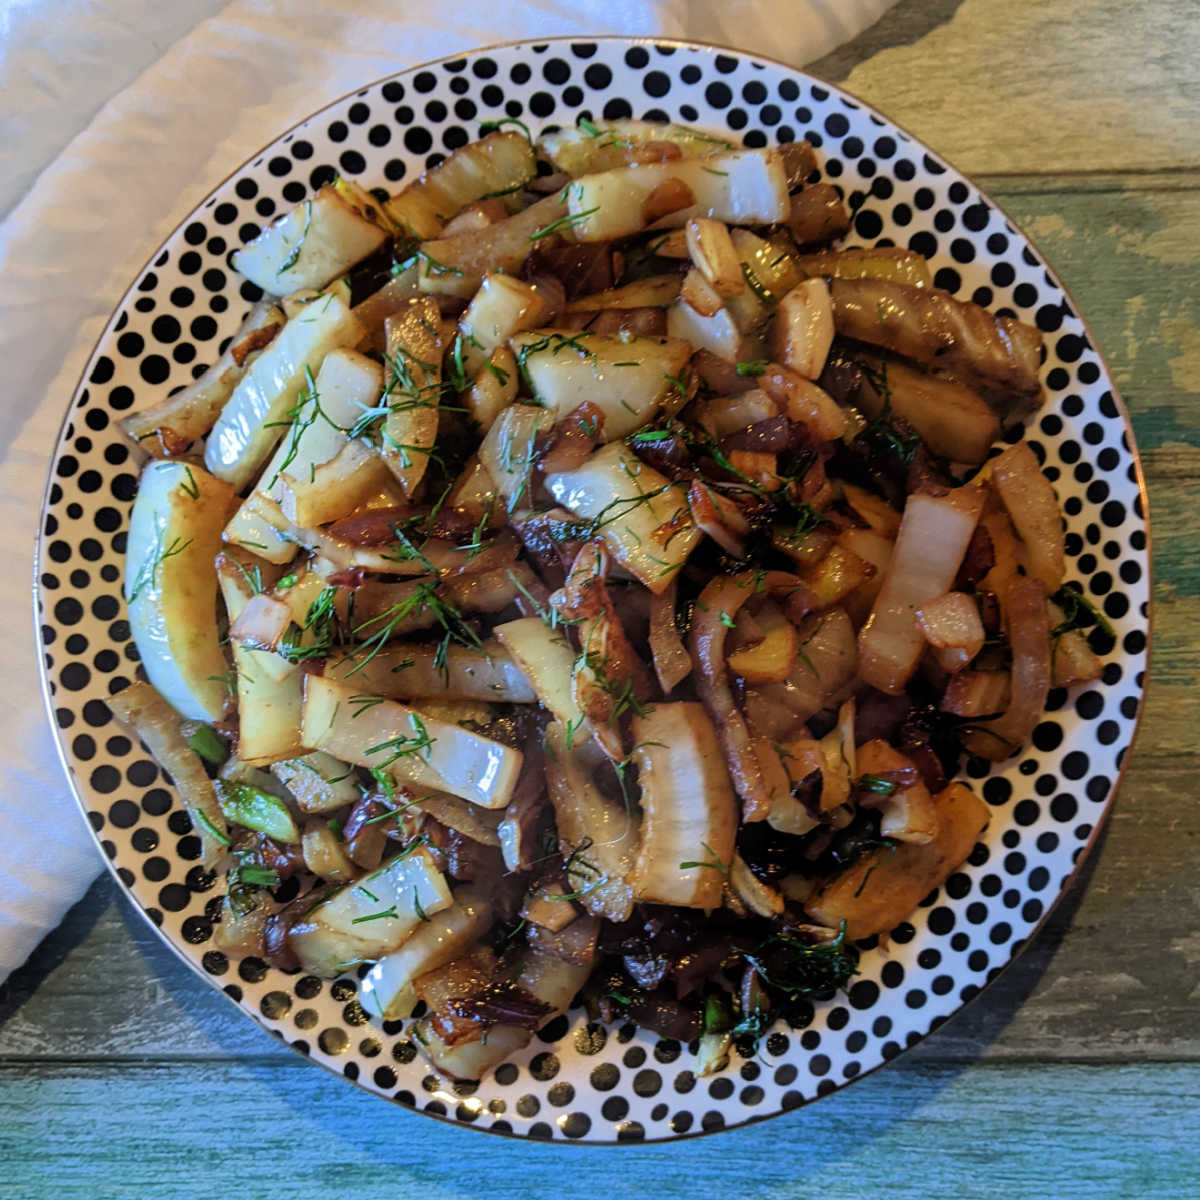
[{"x": 70, "y": 246}]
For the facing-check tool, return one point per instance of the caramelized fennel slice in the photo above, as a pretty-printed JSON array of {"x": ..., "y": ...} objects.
[
  {"x": 319, "y": 782},
  {"x": 252, "y": 422},
  {"x": 416, "y": 749},
  {"x": 268, "y": 687},
  {"x": 423, "y": 670},
  {"x": 546, "y": 979},
  {"x": 346, "y": 385},
  {"x": 170, "y": 427},
  {"x": 690, "y": 810},
  {"x": 171, "y": 584},
  {"x": 315, "y": 243},
  {"x": 598, "y": 837},
  {"x": 581, "y": 151},
  {"x": 1031, "y": 503},
  {"x": 502, "y": 307},
  {"x": 672, "y": 664},
  {"x": 627, "y": 379},
  {"x": 885, "y": 885},
  {"x": 414, "y": 379},
  {"x": 953, "y": 420},
  {"x": 455, "y": 266},
  {"x": 547, "y": 661},
  {"x": 908, "y": 813},
  {"x": 387, "y": 989},
  {"x": 928, "y": 325},
  {"x": 371, "y": 917},
  {"x": 501, "y": 161},
  {"x": 639, "y": 513},
  {"x": 743, "y": 187},
  {"x": 717, "y": 607}
]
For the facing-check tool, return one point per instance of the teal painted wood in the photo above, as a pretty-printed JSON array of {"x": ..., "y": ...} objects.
[{"x": 225, "y": 1129}]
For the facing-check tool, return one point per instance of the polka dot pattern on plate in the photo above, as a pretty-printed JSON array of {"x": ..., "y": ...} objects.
[{"x": 592, "y": 1083}]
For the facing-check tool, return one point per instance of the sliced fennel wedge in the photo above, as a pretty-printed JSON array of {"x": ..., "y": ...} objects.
[
  {"x": 320, "y": 782},
  {"x": 387, "y": 989},
  {"x": 641, "y": 514},
  {"x": 253, "y": 421},
  {"x": 691, "y": 812},
  {"x": 320, "y": 239},
  {"x": 547, "y": 661},
  {"x": 345, "y": 387},
  {"x": 372, "y": 917},
  {"x": 585, "y": 149},
  {"x": 747, "y": 187},
  {"x": 418, "y": 749},
  {"x": 171, "y": 585},
  {"x": 268, "y": 699},
  {"x": 627, "y": 379}
]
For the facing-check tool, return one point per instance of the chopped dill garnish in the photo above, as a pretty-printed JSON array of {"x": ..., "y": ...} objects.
[
  {"x": 562, "y": 223},
  {"x": 712, "y": 862},
  {"x": 294, "y": 257}
]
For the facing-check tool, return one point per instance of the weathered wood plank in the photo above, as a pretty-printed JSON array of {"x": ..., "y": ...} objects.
[
  {"x": 72, "y": 1131},
  {"x": 1005, "y": 85},
  {"x": 1129, "y": 257},
  {"x": 104, "y": 986}
]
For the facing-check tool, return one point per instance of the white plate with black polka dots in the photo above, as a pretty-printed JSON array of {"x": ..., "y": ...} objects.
[{"x": 580, "y": 1081}]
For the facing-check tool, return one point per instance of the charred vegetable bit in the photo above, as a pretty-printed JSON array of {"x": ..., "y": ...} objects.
[
  {"x": 791, "y": 968},
  {"x": 1079, "y": 613},
  {"x": 602, "y": 605}
]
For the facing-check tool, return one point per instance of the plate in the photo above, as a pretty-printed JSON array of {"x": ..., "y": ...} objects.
[{"x": 582, "y": 1081}]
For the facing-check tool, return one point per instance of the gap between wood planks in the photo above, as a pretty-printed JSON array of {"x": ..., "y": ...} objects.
[{"x": 1075, "y": 183}]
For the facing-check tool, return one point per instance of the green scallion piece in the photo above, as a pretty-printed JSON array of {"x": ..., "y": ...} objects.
[{"x": 243, "y": 804}]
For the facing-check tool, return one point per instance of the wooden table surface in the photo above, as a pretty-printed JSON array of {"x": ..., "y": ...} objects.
[{"x": 1078, "y": 1072}]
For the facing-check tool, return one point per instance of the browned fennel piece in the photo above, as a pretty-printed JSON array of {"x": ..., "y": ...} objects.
[
  {"x": 690, "y": 810},
  {"x": 883, "y": 887}
]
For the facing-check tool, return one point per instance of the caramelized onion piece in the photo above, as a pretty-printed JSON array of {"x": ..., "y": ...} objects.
[
  {"x": 671, "y": 662},
  {"x": 573, "y": 439},
  {"x": 609, "y": 678},
  {"x": 999, "y": 354},
  {"x": 934, "y": 534},
  {"x": 720, "y": 601},
  {"x": 1029, "y": 637},
  {"x": 1029, "y": 497},
  {"x": 817, "y": 215}
]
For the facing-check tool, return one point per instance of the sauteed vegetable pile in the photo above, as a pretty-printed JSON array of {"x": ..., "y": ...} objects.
[{"x": 576, "y": 578}]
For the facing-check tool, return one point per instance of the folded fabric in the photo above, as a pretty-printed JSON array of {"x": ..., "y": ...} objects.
[{"x": 71, "y": 245}]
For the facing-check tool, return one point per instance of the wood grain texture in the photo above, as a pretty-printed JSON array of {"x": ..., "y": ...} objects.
[
  {"x": 1078, "y": 1071},
  {"x": 903, "y": 1133},
  {"x": 1012, "y": 86}
]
